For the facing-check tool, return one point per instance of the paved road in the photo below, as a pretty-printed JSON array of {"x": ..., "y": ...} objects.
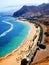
[{"x": 34, "y": 50}]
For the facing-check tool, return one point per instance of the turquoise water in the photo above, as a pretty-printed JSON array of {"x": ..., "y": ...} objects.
[{"x": 12, "y": 34}]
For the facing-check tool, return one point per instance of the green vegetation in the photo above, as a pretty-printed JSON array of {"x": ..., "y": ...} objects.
[
  {"x": 39, "y": 43},
  {"x": 24, "y": 62},
  {"x": 34, "y": 37},
  {"x": 41, "y": 31},
  {"x": 33, "y": 55},
  {"x": 46, "y": 33},
  {"x": 41, "y": 46},
  {"x": 40, "y": 35}
]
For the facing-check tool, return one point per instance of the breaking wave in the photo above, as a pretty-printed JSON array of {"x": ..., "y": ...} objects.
[{"x": 7, "y": 31}]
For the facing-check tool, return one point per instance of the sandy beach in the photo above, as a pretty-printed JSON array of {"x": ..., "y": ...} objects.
[{"x": 18, "y": 54}]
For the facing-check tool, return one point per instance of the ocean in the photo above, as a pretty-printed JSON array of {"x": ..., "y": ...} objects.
[{"x": 12, "y": 34}]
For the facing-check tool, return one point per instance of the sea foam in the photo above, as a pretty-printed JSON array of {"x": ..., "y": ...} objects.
[{"x": 7, "y": 31}]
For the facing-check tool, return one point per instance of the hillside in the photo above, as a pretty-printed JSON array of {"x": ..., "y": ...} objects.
[
  {"x": 30, "y": 11},
  {"x": 44, "y": 22}
]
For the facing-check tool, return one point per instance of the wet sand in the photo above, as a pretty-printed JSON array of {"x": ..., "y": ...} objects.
[{"x": 17, "y": 55}]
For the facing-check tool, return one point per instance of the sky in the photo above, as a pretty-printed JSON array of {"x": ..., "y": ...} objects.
[{"x": 17, "y": 4}]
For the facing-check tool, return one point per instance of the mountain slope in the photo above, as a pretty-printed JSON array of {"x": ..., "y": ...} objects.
[{"x": 28, "y": 11}]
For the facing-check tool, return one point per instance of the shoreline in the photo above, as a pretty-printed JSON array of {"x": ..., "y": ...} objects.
[
  {"x": 24, "y": 45},
  {"x": 18, "y": 46}
]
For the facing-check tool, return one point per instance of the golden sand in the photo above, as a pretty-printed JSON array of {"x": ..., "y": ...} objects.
[
  {"x": 16, "y": 56},
  {"x": 42, "y": 56}
]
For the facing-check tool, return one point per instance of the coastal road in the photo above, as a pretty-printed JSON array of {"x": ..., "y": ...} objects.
[{"x": 37, "y": 45}]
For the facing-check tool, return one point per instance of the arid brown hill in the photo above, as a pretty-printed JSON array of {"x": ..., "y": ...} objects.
[{"x": 28, "y": 11}]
